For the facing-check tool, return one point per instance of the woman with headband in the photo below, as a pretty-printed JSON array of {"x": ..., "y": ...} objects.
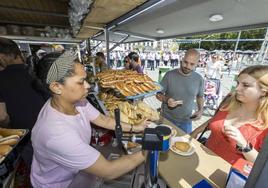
[
  {"x": 62, "y": 133},
  {"x": 238, "y": 129}
]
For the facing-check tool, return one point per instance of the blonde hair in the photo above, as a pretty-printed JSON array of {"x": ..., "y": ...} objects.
[{"x": 260, "y": 73}]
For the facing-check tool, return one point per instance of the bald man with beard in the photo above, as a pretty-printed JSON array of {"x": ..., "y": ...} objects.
[{"x": 182, "y": 87}]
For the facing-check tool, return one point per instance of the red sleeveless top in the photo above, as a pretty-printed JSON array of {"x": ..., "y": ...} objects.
[{"x": 226, "y": 147}]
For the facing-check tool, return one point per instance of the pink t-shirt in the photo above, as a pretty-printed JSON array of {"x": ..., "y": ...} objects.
[{"x": 61, "y": 145}]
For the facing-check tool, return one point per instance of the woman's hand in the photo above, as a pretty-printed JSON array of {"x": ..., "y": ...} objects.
[
  {"x": 140, "y": 127},
  {"x": 234, "y": 133}
]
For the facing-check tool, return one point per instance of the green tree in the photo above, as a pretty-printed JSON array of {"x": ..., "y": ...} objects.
[{"x": 213, "y": 45}]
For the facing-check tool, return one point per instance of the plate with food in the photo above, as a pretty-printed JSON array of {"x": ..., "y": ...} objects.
[{"x": 182, "y": 146}]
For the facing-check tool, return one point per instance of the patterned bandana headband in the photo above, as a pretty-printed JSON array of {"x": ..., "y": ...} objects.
[{"x": 60, "y": 67}]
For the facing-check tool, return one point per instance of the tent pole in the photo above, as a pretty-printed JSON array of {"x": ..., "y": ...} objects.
[{"x": 106, "y": 31}]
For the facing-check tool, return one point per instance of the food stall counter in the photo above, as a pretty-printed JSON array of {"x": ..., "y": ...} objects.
[{"x": 186, "y": 171}]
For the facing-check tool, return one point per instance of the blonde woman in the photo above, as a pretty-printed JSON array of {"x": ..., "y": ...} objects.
[{"x": 240, "y": 126}]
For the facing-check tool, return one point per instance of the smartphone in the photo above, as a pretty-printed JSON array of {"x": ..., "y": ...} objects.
[
  {"x": 179, "y": 102},
  {"x": 193, "y": 116}
]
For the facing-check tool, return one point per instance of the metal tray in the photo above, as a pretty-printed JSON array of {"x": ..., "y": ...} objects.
[
  {"x": 148, "y": 94},
  {"x": 8, "y": 163},
  {"x": 131, "y": 150}
]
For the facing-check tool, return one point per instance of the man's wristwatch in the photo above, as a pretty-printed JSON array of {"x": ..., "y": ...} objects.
[{"x": 246, "y": 149}]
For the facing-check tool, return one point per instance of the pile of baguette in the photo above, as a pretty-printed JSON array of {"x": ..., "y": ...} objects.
[
  {"x": 128, "y": 83},
  {"x": 129, "y": 113},
  {"x": 9, "y": 138}
]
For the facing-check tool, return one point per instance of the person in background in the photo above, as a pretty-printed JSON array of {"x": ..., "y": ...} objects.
[
  {"x": 151, "y": 58},
  {"x": 135, "y": 63},
  {"x": 62, "y": 133},
  {"x": 41, "y": 53},
  {"x": 20, "y": 102},
  {"x": 126, "y": 63},
  {"x": 101, "y": 61},
  {"x": 157, "y": 59},
  {"x": 213, "y": 68},
  {"x": 2, "y": 64},
  {"x": 180, "y": 88},
  {"x": 112, "y": 59},
  {"x": 166, "y": 58},
  {"x": 240, "y": 125},
  {"x": 31, "y": 62},
  {"x": 172, "y": 59},
  {"x": 143, "y": 58}
]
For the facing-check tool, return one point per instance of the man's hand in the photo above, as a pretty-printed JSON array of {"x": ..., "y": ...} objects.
[
  {"x": 160, "y": 96},
  {"x": 172, "y": 103},
  {"x": 196, "y": 116}
]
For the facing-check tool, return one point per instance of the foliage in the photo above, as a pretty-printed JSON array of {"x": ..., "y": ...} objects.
[{"x": 227, "y": 45}]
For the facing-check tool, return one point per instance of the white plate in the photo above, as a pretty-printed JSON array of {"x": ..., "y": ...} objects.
[
  {"x": 173, "y": 130},
  {"x": 182, "y": 139}
]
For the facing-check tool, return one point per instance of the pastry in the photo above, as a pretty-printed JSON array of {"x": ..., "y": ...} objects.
[
  {"x": 182, "y": 146},
  {"x": 131, "y": 145},
  {"x": 5, "y": 149},
  {"x": 7, "y": 132}
]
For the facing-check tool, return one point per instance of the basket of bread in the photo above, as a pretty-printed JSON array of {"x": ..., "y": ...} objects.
[
  {"x": 132, "y": 113},
  {"x": 9, "y": 139},
  {"x": 130, "y": 84}
]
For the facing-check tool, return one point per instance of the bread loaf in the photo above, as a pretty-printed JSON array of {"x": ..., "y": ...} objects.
[
  {"x": 7, "y": 132},
  {"x": 9, "y": 140},
  {"x": 5, "y": 149}
]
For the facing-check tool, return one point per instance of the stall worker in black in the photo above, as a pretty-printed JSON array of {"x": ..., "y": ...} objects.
[{"x": 20, "y": 103}]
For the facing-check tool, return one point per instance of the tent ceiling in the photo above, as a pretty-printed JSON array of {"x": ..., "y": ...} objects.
[
  {"x": 175, "y": 17},
  {"x": 184, "y": 18},
  {"x": 35, "y": 12},
  {"x": 103, "y": 12}
]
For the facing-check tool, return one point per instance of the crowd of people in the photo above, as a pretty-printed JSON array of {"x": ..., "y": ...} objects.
[
  {"x": 58, "y": 150},
  {"x": 152, "y": 60}
]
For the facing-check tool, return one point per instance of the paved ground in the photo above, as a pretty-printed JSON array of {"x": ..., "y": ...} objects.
[{"x": 226, "y": 85}]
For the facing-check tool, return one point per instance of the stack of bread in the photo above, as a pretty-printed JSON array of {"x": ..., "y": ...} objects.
[
  {"x": 129, "y": 113},
  {"x": 8, "y": 138},
  {"x": 128, "y": 83}
]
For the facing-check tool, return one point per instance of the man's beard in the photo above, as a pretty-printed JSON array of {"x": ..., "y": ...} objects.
[{"x": 185, "y": 70}]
